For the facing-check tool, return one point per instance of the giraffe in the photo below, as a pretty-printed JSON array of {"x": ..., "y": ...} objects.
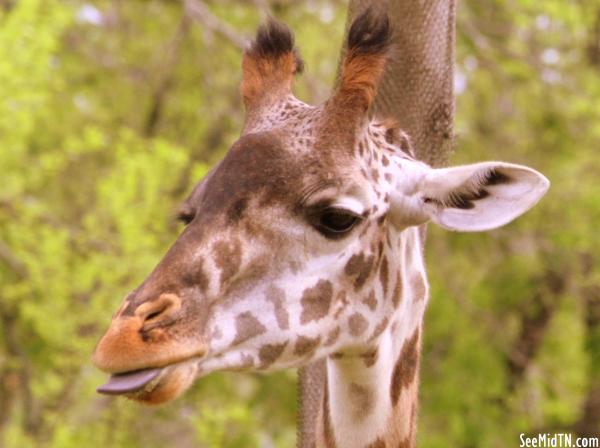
[{"x": 303, "y": 244}]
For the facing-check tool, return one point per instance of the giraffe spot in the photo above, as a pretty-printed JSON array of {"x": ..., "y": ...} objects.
[
  {"x": 370, "y": 301},
  {"x": 397, "y": 293},
  {"x": 370, "y": 358},
  {"x": 388, "y": 177},
  {"x": 237, "y": 209},
  {"x": 228, "y": 258},
  {"x": 362, "y": 400},
  {"x": 385, "y": 160},
  {"x": 247, "y": 326},
  {"x": 305, "y": 346},
  {"x": 359, "y": 266},
  {"x": 276, "y": 296},
  {"x": 418, "y": 286},
  {"x": 270, "y": 353},
  {"x": 381, "y": 326},
  {"x": 383, "y": 275},
  {"x": 357, "y": 324},
  {"x": 251, "y": 274},
  {"x": 316, "y": 301},
  {"x": 390, "y": 135},
  {"x": 196, "y": 276},
  {"x": 378, "y": 443},
  {"x": 406, "y": 367},
  {"x": 405, "y": 443},
  {"x": 332, "y": 337}
]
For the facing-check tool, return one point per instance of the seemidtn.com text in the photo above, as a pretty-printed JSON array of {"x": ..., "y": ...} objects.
[{"x": 558, "y": 440}]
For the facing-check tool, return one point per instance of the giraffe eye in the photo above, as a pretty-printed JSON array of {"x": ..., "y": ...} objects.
[{"x": 335, "y": 222}]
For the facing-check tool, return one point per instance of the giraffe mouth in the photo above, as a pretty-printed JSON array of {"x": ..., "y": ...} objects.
[
  {"x": 130, "y": 382},
  {"x": 154, "y": 385}
]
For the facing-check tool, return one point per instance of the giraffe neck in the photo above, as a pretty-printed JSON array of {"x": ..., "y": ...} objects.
[{"x": 371, "y": 398}]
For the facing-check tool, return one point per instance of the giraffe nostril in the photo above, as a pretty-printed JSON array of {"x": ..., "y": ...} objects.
[
  {"x": 159, "y": 310},
  {"x": 154, "y": 314}
]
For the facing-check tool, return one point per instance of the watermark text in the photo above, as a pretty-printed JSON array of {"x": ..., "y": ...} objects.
[{"x": 557, "y": 440}]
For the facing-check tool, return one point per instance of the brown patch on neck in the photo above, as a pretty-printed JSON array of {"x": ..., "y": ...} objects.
[
  {"x": 418, "y": 286},
  {"x": 406, "y": 368},
  {"x": 381, "y": 326},
  {"x": 276, "y": 296},
  {"x": 370, "y": 358},
  {"x": 270, "y": 353},
  {"x": 397, "y": 293},
  {"x": 362, "y": 399},
  {"x": 247, "y": 326},
  {"x": 370, "y": 301},
  {"x": 406, "y": 443},
  {"x": 357, "y": 324},
  {"x": 333, "y": 336},
  {"x": 378, "y": 443},
  {"x": 384, "y": 275},
  {"x": 306, "y": 346},
  {"x": 402, "y": 422}
]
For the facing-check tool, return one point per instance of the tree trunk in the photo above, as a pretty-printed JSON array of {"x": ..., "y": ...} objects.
[{"x": 417, "y": 91}]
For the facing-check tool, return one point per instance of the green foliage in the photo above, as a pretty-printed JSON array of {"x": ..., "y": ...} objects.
[{"x": 111, "y": 111}]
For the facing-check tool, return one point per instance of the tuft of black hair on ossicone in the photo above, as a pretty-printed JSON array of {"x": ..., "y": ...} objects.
[
  {"x": 370, "y": 33},
  {"x": 274, "y": 39}
]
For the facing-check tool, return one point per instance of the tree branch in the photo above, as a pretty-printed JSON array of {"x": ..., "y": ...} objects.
[
  {"x": 172, "y": 52},
  {"x": 199, "y": 12},
  {"x": 534, "y": 323}
]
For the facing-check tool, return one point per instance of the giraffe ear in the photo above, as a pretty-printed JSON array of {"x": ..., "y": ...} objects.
[{"x": 482, "y": 196}]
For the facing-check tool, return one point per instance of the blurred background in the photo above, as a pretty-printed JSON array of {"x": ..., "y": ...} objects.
[{"x": 110, "y": 111}]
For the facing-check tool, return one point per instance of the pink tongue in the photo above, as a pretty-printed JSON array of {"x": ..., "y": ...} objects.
[{"x": 122, "y": 383}]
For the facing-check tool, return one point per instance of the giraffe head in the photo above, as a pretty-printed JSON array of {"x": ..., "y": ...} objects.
[{"x": 291, "y": 243}]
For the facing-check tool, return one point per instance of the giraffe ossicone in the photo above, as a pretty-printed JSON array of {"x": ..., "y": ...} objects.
[{"x": 303, "y": 244}]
